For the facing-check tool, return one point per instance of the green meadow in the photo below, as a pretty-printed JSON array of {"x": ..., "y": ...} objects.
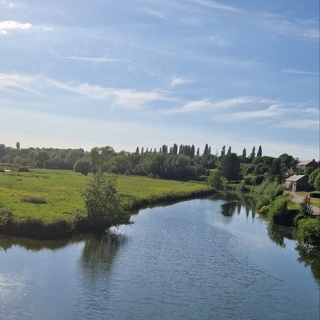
[{"x": 47, "y": 196}]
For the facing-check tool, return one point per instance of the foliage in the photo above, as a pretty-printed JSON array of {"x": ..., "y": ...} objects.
[
  {"x": 264, "y": 210},
  {"x": 279, "y": 213},
  {"x": 102, "y": 203},
  {"x": 82, "y": 165},
  {"x": 216, "y": 180},
  {"x": 309, "y": 231},
  {"x": 23, "y": 169},
  {"x": 317, "y": 182},
  {"x": 267, "y": 192},
  {"x": 313, "y": 176},
  {"x": 230, "y": 167},
  {"x": 6, "y": 216},
  {"x": 305, "y": 208}
]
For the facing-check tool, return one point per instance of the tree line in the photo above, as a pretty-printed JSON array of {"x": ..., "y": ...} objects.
[{"x": 178, "y": 162}]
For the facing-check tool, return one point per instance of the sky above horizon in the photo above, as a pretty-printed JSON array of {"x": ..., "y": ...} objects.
[{"x": 138, "y": 73}]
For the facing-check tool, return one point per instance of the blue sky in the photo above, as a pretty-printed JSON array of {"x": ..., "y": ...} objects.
[{"x": 128, "y": 73}]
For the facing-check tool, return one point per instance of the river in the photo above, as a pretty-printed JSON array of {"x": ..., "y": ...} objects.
[{"x": 197, "y": 259}]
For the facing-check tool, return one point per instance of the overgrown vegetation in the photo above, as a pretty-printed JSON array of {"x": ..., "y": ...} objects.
[{"x": 102, "y": 203}]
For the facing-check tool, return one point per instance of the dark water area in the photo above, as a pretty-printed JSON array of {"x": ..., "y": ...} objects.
[{"x": 211, "y": 258}]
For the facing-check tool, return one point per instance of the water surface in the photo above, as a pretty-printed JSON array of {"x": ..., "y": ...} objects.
[{"x": 198, "y": 259}]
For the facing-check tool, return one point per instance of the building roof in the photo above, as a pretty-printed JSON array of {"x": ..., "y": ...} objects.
[
  {"x": 295, "y": 177},
  {"x": 305, "y": 162}
]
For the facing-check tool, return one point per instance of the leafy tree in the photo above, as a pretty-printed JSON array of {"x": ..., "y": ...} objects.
[
  {"x": 83, "y": 166},
  {"x": 259, "y": 153},
  {"x": 216, "y": 180},
  {"x": 253, "y": 153},
  {"x": 275, "y": 168},
  {"x": 73, "y": 156},
  {"x": 223, "y": 151},
  {"x": 102, "y": 203},
  {"x": 317, "y": 182},
  {"x": 244, "y": 155},
  {"x": 18, "y": 145},
  {"x": 230, "y": 167}
]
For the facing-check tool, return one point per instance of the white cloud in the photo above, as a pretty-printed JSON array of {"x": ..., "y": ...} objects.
[
  {"x": 215, "y": 5},
  {"x": 12, "y": 82},
  {"x": 271, "y": 112},
  {"x": 6, "y": 26},
  {"x": 176, "y": 81},
  {"x": 218, "y": 104},
  {"x": 96, "y": 60},
  {"x": 8, "y": 4},
  {"x": 296, "y": 71},
  {"x": 300, "y": 124}
]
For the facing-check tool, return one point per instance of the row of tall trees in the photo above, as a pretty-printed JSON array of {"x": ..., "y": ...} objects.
[{"x": 181, "y": 162}]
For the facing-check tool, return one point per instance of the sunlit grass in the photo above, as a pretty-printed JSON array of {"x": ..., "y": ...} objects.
[{"x": 61, "y": 191}]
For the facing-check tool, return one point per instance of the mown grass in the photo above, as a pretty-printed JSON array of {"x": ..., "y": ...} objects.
[{"x": 50, "y": 199}]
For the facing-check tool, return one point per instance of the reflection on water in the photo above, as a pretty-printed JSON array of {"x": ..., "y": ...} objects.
[
  {"x": 97, "y": 255},
  {"x": 197, "y": 259}
]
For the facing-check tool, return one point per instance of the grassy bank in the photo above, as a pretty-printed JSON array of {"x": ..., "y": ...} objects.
[{"x": 45, "y": 203}]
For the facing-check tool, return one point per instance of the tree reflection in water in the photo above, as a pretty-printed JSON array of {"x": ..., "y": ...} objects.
[{"x": 98, "y": 255}]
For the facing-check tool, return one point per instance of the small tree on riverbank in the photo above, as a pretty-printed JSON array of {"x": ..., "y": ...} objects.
[{"x": 102, "y": 203}]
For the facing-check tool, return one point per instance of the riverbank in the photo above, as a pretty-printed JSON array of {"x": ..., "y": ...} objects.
[{"x": 47, "y": 204}]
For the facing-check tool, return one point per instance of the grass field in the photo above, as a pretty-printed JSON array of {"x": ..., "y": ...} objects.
[{"x": 60, "y": 193}]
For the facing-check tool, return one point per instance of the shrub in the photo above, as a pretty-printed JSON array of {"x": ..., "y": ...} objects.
[
  {"x": 34, "y": 199},
  {"x": 279, "y": 213},
  {"x": 1, "y": 170},
  {"x": 6, "y": 216},
  {"x": 264, "y": 210},
  {"x": 305, "y": 208},
  {"x": 309, "y": 231},
  {"x": 23, "y": 169}
]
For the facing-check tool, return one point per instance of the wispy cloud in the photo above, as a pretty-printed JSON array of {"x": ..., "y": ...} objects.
[
  {"x": 19, "y": 82},
  {"x": 215, "y": 5},
  {"x": 176, "y": 81},
  {"x": 39, "y": 85},
  {"x": 156, "y": 13},
  {"x": 217, "y": 104},
  {"x": 296, "y": 71},
  {"x": 97, "y": 60},
  {"x": 271, "y": 112},
  {"x": 300, "y": 124},
  {"x": 6, "y": 26}
]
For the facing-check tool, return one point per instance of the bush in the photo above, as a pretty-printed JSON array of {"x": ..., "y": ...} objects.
[
  {"x": 309, "y": 231},
  {"x": 279, "y": 213},
  {"x": 6, "y": 216},
  {"x": 264, "y": 210},
  {"x": 1, "y": 170},
  {"x": 23, "y": 169}
]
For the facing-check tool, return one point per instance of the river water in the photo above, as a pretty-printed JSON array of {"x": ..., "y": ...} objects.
[{"x": 197, "y": 259}]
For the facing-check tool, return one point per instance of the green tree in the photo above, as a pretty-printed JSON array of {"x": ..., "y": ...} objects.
[
  {"x": 313, "y": 176},
  {"x": 275, "y": 167},
  {"x": 317, "y": 182},
  {"x": 18, "y": 145},
  {"x": 230, "y": 167},
  {"x": 102, "y": 203},
  {"x": 259, "y": 153},
  {"x": 244, "y": 155},
  {"x": 216, "y": 180},
  {"x": 83, "y": 166},
  {"x": 253, "y": 154}
]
